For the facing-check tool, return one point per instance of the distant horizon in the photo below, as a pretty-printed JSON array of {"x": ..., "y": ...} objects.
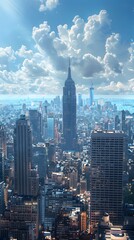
[{"x": 96, "y": 96}]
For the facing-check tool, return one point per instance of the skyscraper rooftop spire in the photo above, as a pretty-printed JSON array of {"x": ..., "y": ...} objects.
[
  {"x": 69, "y": 70},
  {"x": 69, "y": 113}
]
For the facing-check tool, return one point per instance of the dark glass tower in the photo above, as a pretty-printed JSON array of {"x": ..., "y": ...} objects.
[
  {"x": 69, "y": 113},
  {"x": 22, "y": 155},
  {"x": 91, "y": 95},
  {"x": 35, "y": 118}
]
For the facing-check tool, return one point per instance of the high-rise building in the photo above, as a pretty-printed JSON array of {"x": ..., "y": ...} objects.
[
  {"x": 69, "y": 113},
  {"x": 40, "y": 160},
  {"x": 35, "y": 118},
  {"x": 2, "y": 203},
  {"x": 80, "y": 100},
  {"x": 91, "y": 95},
  {"x": 50, "y": 127},
  {"x": 107, "y": 156},
  {"x": 73, "y": 178},
  {"x": 123, "y": 120},
  {"x": 3, "y": 152},
  {"x": 22, "y": 155},
  {"x": 117, "y": 122},
  {"x": 21, "y": 219},
  {"x": 83, "y": 221}
]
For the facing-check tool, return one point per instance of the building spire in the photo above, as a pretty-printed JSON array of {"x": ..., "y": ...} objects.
[
  {"x": 91, "y": 83},
  {"x": 69, "y": 70}
]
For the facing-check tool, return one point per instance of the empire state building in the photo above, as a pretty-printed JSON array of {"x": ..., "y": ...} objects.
[{"x": 69, "y": 113}]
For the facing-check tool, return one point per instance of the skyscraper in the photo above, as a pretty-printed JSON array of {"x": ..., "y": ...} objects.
[
  {"x": 123, "y": 120},
  {"x": 69, "y": 113},
  {"x": 35, "y": 118},
  {"x": 50, "y": 127},
  {"x": 117, "y": 122},
  {"x": 80, "y": 100},
  {"x": 91, "y": 95},
  {"x": 107, "y": 155},
  {"x": 3, "y": 152},
  {"x": 22, "y": 155}
]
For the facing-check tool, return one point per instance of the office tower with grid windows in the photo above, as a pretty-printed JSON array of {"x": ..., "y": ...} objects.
[
  {"x": 107, "y": 156},
  {"x": 22, "y": 155}
]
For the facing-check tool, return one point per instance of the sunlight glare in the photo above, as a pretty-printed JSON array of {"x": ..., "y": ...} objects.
[{"x": 10, "y": 7}]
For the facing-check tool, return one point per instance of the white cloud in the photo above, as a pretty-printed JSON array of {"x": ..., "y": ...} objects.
[
  {"x": 7, "y": 55},
  {"x": 90, "y": 65},
  {"x": 112, "y": 65},
  {"x": 24, "y": 53},
  {"x": 131, "y": 59},
  {"x": 48, "y": 5},
  {"x": 81, "y": 40},
  {"x": 117, "y": 88},
  {"x": 96, "y": 54}
]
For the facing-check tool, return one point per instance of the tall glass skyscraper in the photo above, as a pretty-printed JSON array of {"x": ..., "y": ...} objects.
[
  {"x": 91, "y": 95},
  {"x": 3, "y": 151},
  {"x": 35, "y": 118},
  {"x": 107, "y": 156},
  {"x": 22, "y": 155},
  {"x": 69, "y": 113},
  {"x": 50, "y": 127}
]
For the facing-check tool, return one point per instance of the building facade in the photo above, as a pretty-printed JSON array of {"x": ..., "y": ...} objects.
[
  {"x": 50, "y": 127},
  {"x": 3, "y": 152},
  {"x": 107, "y": 156},
  {"x": 22, "y": 155},
  {"x": 35, "y": 118},
  {"x": 91, "y": 95},
  {"x": 69, "y": 113}
]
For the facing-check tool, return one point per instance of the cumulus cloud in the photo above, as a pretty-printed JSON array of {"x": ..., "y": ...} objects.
[
  {"x": 90, "y": 65},
  {"x": 80, "y": 42},
  {"x": 113, "y": 87},
  {"x": 24, "y": 53},
  {"x": 44, "y": 39},
  {"x": 48, "y": 5},
  {"x": 97, "y": 55},
  {"x": 7, "y": 55},
  {"x": 33, "y": 69},
  {"x": 112, "y": 65},
  {"x": 118, "y": 87},
  {"x": 131, "y": 59}
]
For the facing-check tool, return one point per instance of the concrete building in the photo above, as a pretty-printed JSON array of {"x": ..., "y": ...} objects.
[
  {"x": 3, "y": 152},
  {"x": 26, "y": 178},
  {"x": 22, "y": 155},
  {"x": 107, "y": 156},
  {"x": 40, "y": 160},
  {"x": 20, "y": 220},
  {"x": 83, "y": 221},
  {"x": 91, "y": 95},
  {"x": 2, "y": 202},
  {"x": 35, "y": 118},
  {"x": 50, "y": 127},
  {"x": 73, "y": 178}
]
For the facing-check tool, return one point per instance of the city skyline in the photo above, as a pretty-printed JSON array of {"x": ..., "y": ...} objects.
[
  {"x": 37, "y": 37},
  {"x": 49, "y": 187}
]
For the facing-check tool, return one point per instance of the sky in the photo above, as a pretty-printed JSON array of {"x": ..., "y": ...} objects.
[{"x": 37, "y": 38}]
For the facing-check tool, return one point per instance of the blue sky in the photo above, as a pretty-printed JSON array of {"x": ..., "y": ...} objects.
[{"x": 38, "y": 36}]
